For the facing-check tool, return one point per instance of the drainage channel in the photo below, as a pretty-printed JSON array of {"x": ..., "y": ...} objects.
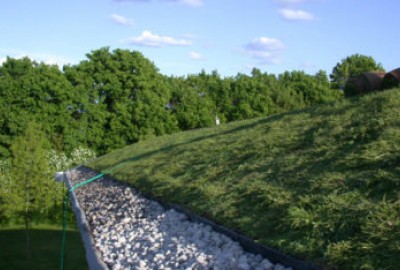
[{"x": 122, "y": 229}]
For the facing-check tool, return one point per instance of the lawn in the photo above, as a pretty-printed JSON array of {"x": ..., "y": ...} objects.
[
  {"x": 322, "y": 184},
  {"x": 46, "y": 248}
]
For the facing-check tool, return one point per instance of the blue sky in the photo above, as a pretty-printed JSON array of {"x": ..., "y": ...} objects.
[{"x": 185, "y": 36}]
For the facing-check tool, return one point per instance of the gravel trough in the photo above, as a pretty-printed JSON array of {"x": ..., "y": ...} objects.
[{"x": 122, "y": 229}]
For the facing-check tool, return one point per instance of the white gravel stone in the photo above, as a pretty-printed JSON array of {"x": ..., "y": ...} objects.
[{"x": 132, "y": 232}]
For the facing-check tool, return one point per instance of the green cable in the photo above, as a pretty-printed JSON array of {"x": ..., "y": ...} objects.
[
  {"x": 64, "y": 229},
  {"x": 86, "y": 182}
]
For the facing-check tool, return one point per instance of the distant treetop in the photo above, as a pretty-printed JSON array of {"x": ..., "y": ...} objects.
[{"x": 352, "y": 66}]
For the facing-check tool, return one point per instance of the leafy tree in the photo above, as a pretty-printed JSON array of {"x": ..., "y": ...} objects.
[
  {"x": 6, "y": 191},
  {"x": 13, "y": 100},
  {"x": 309, "y": 89},
  {"x": 251, "y": 95},
  {"x": 125, "y": 98},
  {"x": 321, "y": 79},
  {"x": 31, "y": 90},
  {"x": 190, "y": 102},
  {"x": 352, "y": 66},
  {"x": 220, "y": 94},
  {"x": 33, "y": 189}
]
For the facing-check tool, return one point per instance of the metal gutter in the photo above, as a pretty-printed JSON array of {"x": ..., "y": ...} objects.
[{"x": 93, "y": 257}]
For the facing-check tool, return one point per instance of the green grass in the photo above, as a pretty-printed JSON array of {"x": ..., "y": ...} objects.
[
  {"x": 322, "y": 184},
  {"x": 45, "y": 246}
]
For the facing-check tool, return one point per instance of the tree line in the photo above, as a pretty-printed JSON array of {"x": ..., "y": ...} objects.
[{"x": 115, "y": 98}]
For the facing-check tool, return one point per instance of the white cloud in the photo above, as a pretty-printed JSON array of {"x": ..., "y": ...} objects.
[
  {"x": 265, "y": 49},
  {"x": 195, "y": 56},
  {"x": 193, "y": 3},
  {"x": 291, "y": 1},
  {"x": 132, "y": 0},
  {"x": 51, "y": 59},
  {"x": 264, "y": 44},
  {"x": 148, "y": 39},
  {"x": 307, "y": 65},
  {"x": 121, "y": 20},
  {"x": 47, "y": 58},
  {"x": 296, "y": 15}
]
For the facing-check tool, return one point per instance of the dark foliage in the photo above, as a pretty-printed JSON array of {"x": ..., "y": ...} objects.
[{"x": 115, "y": 98}]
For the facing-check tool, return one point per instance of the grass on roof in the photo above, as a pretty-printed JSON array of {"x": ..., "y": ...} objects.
[{"x": 322, "y": 184}]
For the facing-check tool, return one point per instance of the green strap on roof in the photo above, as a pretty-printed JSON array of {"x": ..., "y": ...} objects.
[{"x": 86, "y": 182}]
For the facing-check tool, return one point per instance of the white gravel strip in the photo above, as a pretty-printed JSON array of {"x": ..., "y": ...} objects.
[{"x": 133, "y": 232}]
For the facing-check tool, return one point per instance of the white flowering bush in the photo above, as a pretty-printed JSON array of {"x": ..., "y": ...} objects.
[
  {"x": 61, "y": 162},
  {"x": 58, "y": 161},
  {"x": 81, "y": 155}
]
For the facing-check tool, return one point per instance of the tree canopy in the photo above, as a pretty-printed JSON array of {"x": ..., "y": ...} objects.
[
  {"x": 352, "y": 66},
  {"x": 115, "y": 98}
]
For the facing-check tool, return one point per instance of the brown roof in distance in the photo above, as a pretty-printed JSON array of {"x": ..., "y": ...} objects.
[
  {"x": 391, "y": 79},
  {"x": 373, "y": 79},
  {"x": 364, "y": 83}
]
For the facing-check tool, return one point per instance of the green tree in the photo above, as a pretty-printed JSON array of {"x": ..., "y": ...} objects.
[
  {"x": 125, "y": 99},
  {"x": 31, "y": 90},
  {"x": 352, "y": 66},
  {"x": 309, "y": 89},
  {"x": 6, "y": 191},
  {"x": 251, "y": 95},
  {"x": 190, "y": 102},
  {"x": 33, "y": 189}
]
